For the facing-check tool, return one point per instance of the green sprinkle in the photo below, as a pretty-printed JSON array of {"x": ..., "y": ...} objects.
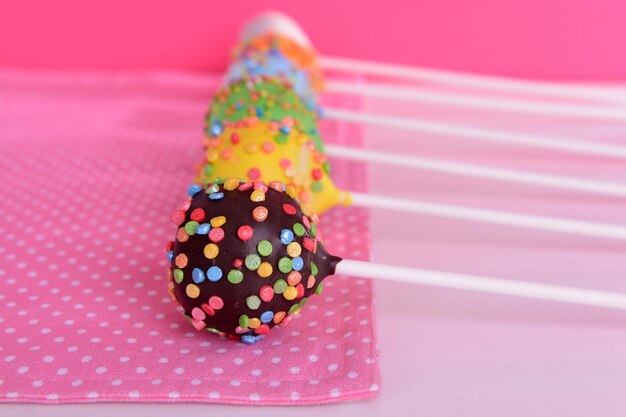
[
  {"x": 313, "y": 269},
  {"x": 235, "y": 276},
  {"x": 298, "y": 229},
  {"x": 212, "y": 329},
  {"x": 319, "y": 288},
  {"x": 293, "y": 308},
  {"x": 265, "y": 248},
  {"x": 190, "y": 227},
  {"x": 244, "y": 321},
  {"x": 213, "y": 188},
  {"x": 313, "y": 230},
  {"x": 253, "y": 302},
  {"x": 326, "y": 167},
  {"x": 253, "y": 261},
  {"x": 178, "y": 275},
  {"x": 281, "y": 138},
  {"x": 285, "y": 265},
  {"x": 280, "y": 286},
  {"x": 208, "y": 170},
  {"x": 302, "y": 302},
  {"x": 317, "y": 186}
]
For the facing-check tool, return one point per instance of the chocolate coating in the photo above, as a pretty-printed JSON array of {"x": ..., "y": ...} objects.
[{"x": 262, "y": 299}]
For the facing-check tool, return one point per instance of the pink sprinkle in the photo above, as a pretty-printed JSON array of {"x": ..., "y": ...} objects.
[
  {"x": 254, "y": 174},
  {"x": 245, "y": 232},
  {"x": 306, "y": 222},
  {"x": 268, "y": 147},
  {"x": 198, "y": 314},
  {"x": 260, "y": 185},
  {"x": 285, "y": 163},
  {"x": 208, "y": 309},
  {"x": 198, "y": 324},
  {"x": 245, "y": 186},
  {"x": 216, "y": 302}
]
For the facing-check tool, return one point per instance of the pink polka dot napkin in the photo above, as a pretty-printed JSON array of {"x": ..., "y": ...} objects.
[{"x": 91, "y": 167}]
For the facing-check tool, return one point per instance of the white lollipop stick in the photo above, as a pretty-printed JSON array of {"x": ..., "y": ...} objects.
[
  {"x": 484, "y": 284},
  {"x": 478, "y": 171},
  {"x": 498, "y": 104},
  {"x": 478, "y": 133},
  {"x": 476, "y": 81},
  {"x": 491, "y": 216}
]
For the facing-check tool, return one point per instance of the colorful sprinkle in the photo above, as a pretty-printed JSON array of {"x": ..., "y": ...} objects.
[
  {"x": 198, "y": 314},
  {"x": 231, "y": 184},
  {"x": 259, "y": 214},
  {"x": 181, "y": 235},
  {"x": 299, "y": 230},
  {"x": 294, "y": 249},
  {"x": 218, "y": 221},
  {"x": 297, "y": 263},
  {"x": 197, "y": 215},
  {"x": 253, "y": 302},
  {"x": 190, "y": 228},
  {"x": 235, "y": 276},
  {"x": 203, "y": 229},
  {"x": 213, "y": 188},
  {"x": 245, "y": 232},
  {"x": 254, "y": 323},
  {"x": 264, "y": 248},
  {"x": 216, "y": 196},
  {"x": 194, "y": 189},
  {"x": 211, "y": 250},
  {"x": 178, "y": 275},
  {"x": 216, "y": 302},
  {"x": 244, "y": 320},
  {"x": 310, "y": 282},
  {"x": 216, "y": 234},
  {"x": 192, "y": 290},
  {"x": 290, "y": 293},
  {"x": 314, "y": 270},
  {"x": 289, "y": 209},
  {"x": 266, "y": 316},
  {"x": 254, "y": 174},
  {"x": 279, "y": 286},
  {"x": 253, "y": 261},
  {"x": 197, "y": 275},
  {"x": 266, "y": 293},
  {"x": 294, "y": 278},
  {"x": 178, "y": 217},
  {"x": 309, "y": 244},
  {"x": 286, "y": 236},
  {"x": 214, "y": 273},
  {"x": 181, "y": 260},
  {"x": 265, "y": 270},
  {"x": 285, "y": 265},
  {"x": 279, "y": 316},
  {"x": 257, "y": 196}
]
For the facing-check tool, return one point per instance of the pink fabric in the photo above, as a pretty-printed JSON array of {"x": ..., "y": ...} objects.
[{"x": 90, "y": 169}]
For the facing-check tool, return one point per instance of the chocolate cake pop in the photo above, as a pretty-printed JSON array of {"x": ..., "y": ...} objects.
[{"x": 246, "y": 258}]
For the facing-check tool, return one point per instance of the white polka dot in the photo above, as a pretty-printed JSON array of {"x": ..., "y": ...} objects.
[
  {"x": 313, "y": 358},
  {"x": 353, "y": 375},
  {"x": 101, "y": 369},
  {"x": 254, "y": 397},
  {"x": 332, "y": 367},
  {"x": 92, "y": 395},
  {"x": 235, "y": 383},
  {"x": 133, "y": 394},
  {"x": 217, "y": 371},
  {"x": 294, "y": 395},
  {"x": 174, "y": 394},
  {"x": 140, "y": 370},
  {"x": 196, "y": 382},
  {"x": 214, "y": 394},
  {"x": 37, "y": 383},
  {"x": 335, "y": 392},
  {"x": 294, "y": 370},
  {"x": 61, "y": 371}
]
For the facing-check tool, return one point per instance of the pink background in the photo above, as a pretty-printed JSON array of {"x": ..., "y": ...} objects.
[{"x": 530, "y": 38}]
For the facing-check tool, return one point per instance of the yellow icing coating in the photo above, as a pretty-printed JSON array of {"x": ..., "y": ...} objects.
[{"x": 249, "y": 150}]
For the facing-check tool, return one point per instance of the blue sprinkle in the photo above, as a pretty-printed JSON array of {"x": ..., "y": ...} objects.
[
  {"x": 216, "y": 128},
  {"x": 216, "y": 196},
  {"x": 248, "y": 339},
  {"x": 197, "y": 275},
  {"x": 297, "y": 262},
  {"x": 238, "y": 106},
  {"x": 194, "y": 189},
  {"x": 203, "y": 229},
  {"x": 259, "y": 112},
  {"x": 286, "y": 236},
  {"x": 214, "y": 273},
  {"x": 267, "y": 316},
  {"x": 285, "y": 130},
  {"x": 170, "y": 255}
]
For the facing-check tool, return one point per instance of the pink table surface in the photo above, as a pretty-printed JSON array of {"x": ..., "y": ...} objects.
[{"x": 453, "y": 353}]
